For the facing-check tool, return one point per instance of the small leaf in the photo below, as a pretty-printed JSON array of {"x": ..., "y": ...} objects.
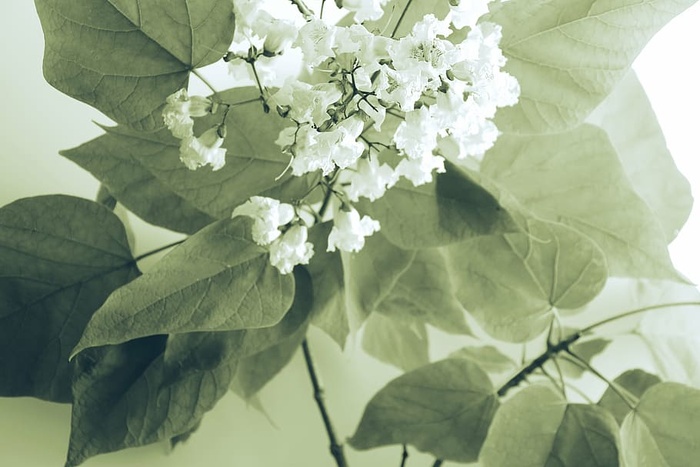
[
  {"x": 217, "y": 280},
  {"x": 567, "y": 57},
  {"x": 663, "y": 428},
  {"x": 60, "y": 257},
  {"x": 444, "y": 408},
  {"x": 125, "y": 57},
  {"x": 641, "y": 146},
  {"x": 511, "y": 283},
  {"x": 586, "y": 350},
  {"x": 636, "y": 382},
  {"x": 459, "y": 204},
  {"x": 488, "y": 358},
  {"x": 575, "y": 178},
  {"x": 537, "y": 428},
  {"x": 403, "y": 345}
]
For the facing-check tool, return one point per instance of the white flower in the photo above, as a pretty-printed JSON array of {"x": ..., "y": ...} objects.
[
  {"x": 416, "y": 136},
  {"x": 280, "y": 36},
  {"x": 316, "y": 39},
  {"x": 369, "y": 49},
  {"x": 349, "y": 231},
  {"x": 179, "y": 110},
  {"x": 268, "y": 215},
  {"x": 291, "y": 249},
  {"x": 369, "y": 179},
  {"x": 365, "y": 9},
  {"x": 467, "y": 12},
  {"x": 206, "y": 149},
  {"x": 307, "y": 103},
  {"x": 403, "y": 88},
  {"x": 420, "y": 171}
]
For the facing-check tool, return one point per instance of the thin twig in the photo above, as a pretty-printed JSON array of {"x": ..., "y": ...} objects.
[
  {"x": 403, "y": 13},
  {"x": 554, "y": 381},
  {"x": 205, "y": 81},
  {"x": 335, "y": 447},
  {"x": 158, "y": 250},
  {"x": 561, "y": 376},
  {"x": 438, "y": 462},
  {"x": 612, "y": 385},
  {"x": 404, "y": 456},
  {"x": 634, "y": 312},
  {"x": 303, "y": 9}
]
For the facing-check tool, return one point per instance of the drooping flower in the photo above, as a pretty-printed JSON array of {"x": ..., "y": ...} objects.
[
  {"x": 316, "y": 39},
  {"x": 349, "y": 231},
  {"x": 268, "y": 215},
  {"x": 179, "y": 110},
  {"x": 420, "y": 171},
  {"x": 204, "y": 150},
  {"x": 467, "y": 12},
  {"x": 291, "y": 249},
  {"x": 369, "y": 179},
  {"x": 307, "y": 103}
]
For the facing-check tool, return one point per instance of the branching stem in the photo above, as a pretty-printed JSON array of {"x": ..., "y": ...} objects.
[
  {"x": 619, "y": 391},
  {"x": 335, "y": 447}
]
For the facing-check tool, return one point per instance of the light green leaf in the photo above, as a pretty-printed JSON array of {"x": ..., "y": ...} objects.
[
  {"x": 569, "y": 56},
  {"x": 60, "y": 257},
  {"x": 425, "y": 292},
  {"x": 454, "y": 207},
  {"x": 489, "y": 358},
  {"x": 217, "y": 280},
  {"x": 584, "y": 349},
  {"x": 143, "y": 170},
  {"x": 512, "y": 283},
  {"x": 537, "y": 428},
  {"x": 128, "y": 395},
  {"x": 414, "y": 12},
  {"x": 395, "y": 342},
  {"x": 663, "y": 428},
  {"x": 444, "y": 408},
  {"x": 630, "y": 122},
  {"x": 636, "y": 382},
  {"x": 575, "y": 178},
  {"x": 125, "y": 57}
]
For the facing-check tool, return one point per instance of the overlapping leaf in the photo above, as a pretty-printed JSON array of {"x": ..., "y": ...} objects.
[
  {"x": 635, "y": 382},
  {"x": 218, "y": 280},
  {"x": 568, "y": 57},
  {"x": 398, "y": 343},
  {"x": 124, "y": 57},
  {"x": 60, "y": 257}
]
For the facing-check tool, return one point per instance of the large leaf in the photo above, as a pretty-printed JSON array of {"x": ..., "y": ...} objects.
[
  {"x": 630, "y": 122},
  {"x": 635, "y": 382},
  {"x": 513, "y": 283},
  {"x": 538, "y": 428},
  {"x": 125, "y": 57},
  {"x": 218, "y": 280},
  {"x": 129, "y": 395},
  {"x": 143, "y": 170},
  {"x": 576, "y": 178},
  {"x": 60, "y": 257},
  {"x": 663, "y": 428},
  {"x": 568, "y": 55},
  {"x": 452, "y": 208},
  {"x": 444, "y": 408},
  {"x": 398, "y": 343}
]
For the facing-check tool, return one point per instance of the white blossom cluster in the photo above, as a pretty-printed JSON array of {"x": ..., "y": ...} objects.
[{"x": 441, "y": 96}]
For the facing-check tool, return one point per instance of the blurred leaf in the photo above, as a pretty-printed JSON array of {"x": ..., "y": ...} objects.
[
  {"x": 569, "y": 56},
  {"x": 511, "y": 283},
  {"x": 60, "y": 257},
  {"x": 536, "y": 427},
  {"x": 629, "y": 120},
  {"x": 398, "y": 343},
  {"x": 663, "y": 428},
  {"x": 444, "y": 408},
  {"x": 217, "y": 280},
  {"x": 576, "y": 178},
  {"x": 636, "y": 382},
  {"x": 488, "y": 357},
  {"x": 586, "y": 350},
  {"x": 126, "y": 57}
]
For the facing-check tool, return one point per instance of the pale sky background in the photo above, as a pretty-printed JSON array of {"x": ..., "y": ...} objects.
[{"x": 37, "y": 121}]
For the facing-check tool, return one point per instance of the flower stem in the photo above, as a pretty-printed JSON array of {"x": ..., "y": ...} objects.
[
  {"x": 335, "y": 447},
  {"x": 404, "y": 456},
  {"x": 158, "y": 250}
]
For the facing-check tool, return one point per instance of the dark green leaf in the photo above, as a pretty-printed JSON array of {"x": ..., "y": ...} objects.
[
  {"x": 511, "y": 283},
  {"x": 568, "y": 56},
  {"x": 395, "y": 342},
  {"x": 217, "y": 280},
  {"x": 636, "y": 382},
  {"x": 444, "y": 408},
  {"x": 454, "y": 207},
  {"x": 663, "y": 428},
  {"x": 60, "y": 257},
  {"x": 125, "y": 57},
  {"x": 576, "y": 178}
]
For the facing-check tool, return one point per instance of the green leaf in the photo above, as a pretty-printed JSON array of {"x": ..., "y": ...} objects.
[
  {"x": 512, "y": 283},
  {"x": 125, "y": 57},
  {"x": 414, "y": 12},
  {"x": 129, "y": 395},
  {"x": 217, "y": 280},
  {"x": 663, "y": 428},
  {"x": 395, "y": 342},
  {"x": 454, "y": 207},
  {"x": 425, "y": 292},
  {"x": 60, "y": 257},
  {"x": 641, "y": 146},
  {"x": 636, "y": 382},
  {"x": 568, "y": 57},
  {"x": 575, "y": 178},
  {"x": 444, "y": 408},
  {"x": 537, "y": 428},
  {"x": 488, "y": 357},
  {"x": 143, "y": 170}
]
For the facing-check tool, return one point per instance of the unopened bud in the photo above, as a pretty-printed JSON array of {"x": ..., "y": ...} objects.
[
  {"x": 221, "y": 131},
  {"x": 283, "y": 110},
  {"x": 454, "y": 2}
]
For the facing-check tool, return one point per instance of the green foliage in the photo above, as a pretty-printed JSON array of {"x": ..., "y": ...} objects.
[
  {"x": 443, "y": 408},
  {"x": 399, "y": 343},
  {"x": 568, "y": 57},
  {"x": 124, "y": 58},
  {"x": 635, "y": 382},
  {"x": 60, "y": 258},
  {"x": 218, "y": 280}
]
